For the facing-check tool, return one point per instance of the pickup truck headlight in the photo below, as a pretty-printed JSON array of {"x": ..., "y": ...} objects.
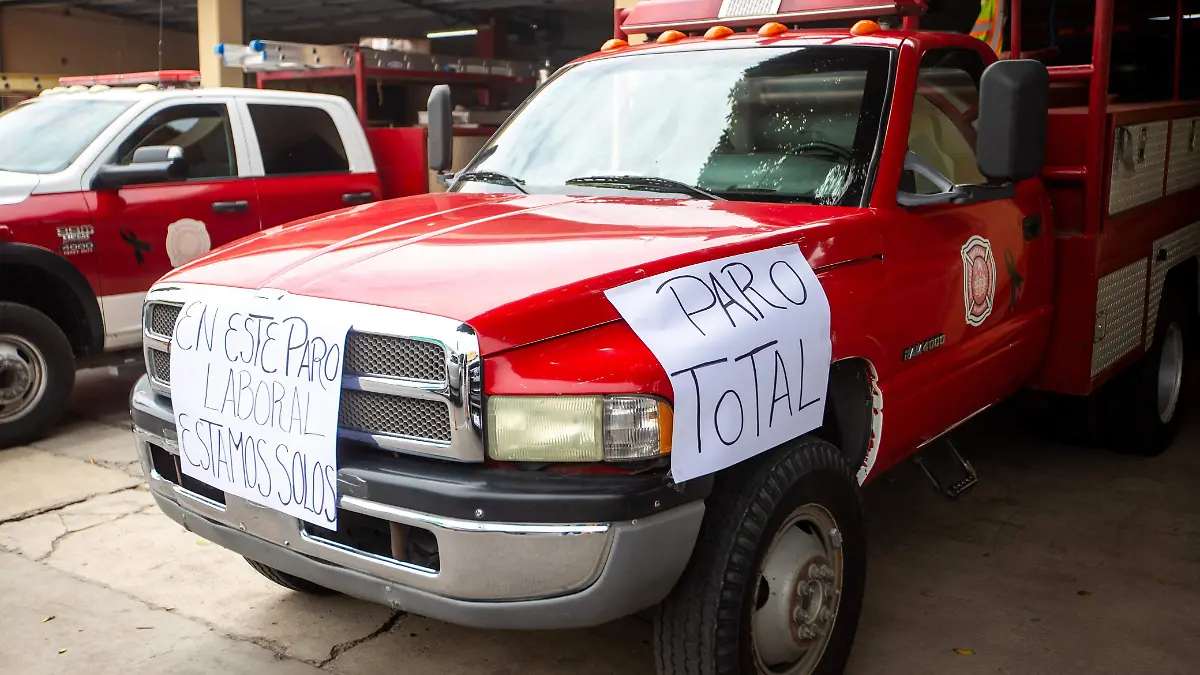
[{"x": 577, "y": 428}]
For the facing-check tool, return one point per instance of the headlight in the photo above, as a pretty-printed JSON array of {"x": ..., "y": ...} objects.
[{"x": 577, "y": 428}]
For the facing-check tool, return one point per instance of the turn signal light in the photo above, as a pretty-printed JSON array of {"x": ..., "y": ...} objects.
[
  {"x": 670, "y": 36},
  {"x": 772, "y": 29},
  {"x": 718, "y": 32},
  {"x": 613, "y": 45},
  {"x": 865, "y": 27}
]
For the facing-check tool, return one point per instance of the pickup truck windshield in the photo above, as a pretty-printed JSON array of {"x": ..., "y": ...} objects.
[
  {"x": 46, "y": 135},
  {"x": 763, "y": 124}
]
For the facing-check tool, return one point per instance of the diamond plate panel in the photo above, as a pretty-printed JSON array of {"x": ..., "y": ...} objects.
[
  {"x": 395, "y": 415},
  {"x": 371, "y": 354},
  {"x": 1167, "y": 253},
  {"x": 162, "y": 319},
  {"x": 1183, "y": 170},
  {"x": 1138, "y": 166},
  {"x": 1120, "y": 306}
]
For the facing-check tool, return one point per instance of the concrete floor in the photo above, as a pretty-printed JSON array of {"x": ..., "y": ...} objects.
[{"x": 1062, "y": 560}]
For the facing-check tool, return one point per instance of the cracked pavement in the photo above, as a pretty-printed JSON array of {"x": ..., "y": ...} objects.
[{"x": 1062, "y": 560}]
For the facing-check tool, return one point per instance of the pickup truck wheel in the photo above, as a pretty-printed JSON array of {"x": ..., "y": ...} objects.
[
  {"x": 37, "y": 372},
  {"x": 1143, "y": 407},
  {"x": 289, "y": 581},
  {"x": 775, "y": 583}
]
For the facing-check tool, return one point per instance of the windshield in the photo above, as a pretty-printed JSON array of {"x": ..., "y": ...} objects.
[
  {"x": 46, "y": 135},
  {"x": 764, "y": 124}
]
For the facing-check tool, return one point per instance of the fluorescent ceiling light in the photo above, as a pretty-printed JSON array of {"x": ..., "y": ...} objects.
[
  {"x": 466, "y": 32},
  {"x": 1167, "y": 18}
]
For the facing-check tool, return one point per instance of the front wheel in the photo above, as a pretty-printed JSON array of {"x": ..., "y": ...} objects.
[
  {"x": 37, "y": 373},
  {"x": 775, "y": 584}
]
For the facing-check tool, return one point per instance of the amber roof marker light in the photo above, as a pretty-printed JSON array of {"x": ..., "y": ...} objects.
[
  {"x": 772, "y": 29},
  {"x": 718, "y": 33},
  {"x": 865, "y": 27},
  {"x": 670, "y": 36},
  {"x": 613, "y": 45}
]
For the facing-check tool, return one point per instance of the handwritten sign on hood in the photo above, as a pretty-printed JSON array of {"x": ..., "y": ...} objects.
[
  {"x": 745, "y": 340},
  {"x": 256, "y": 386}
]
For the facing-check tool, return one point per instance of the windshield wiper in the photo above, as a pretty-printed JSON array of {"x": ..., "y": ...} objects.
[
  {"x": 492, "y": 177},
  {"x": 650, "y": 182}
]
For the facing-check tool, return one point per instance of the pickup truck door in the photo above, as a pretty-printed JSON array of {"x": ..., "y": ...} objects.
[
  {"x": 309, "y": 158},
  {"x": 971, "y": 283},
  {"x": 144, "y": 231}
]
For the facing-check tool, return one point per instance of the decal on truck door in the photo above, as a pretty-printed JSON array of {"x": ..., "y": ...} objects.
[
  {"x": 979, "y": 279},
  {"x": 187, "y": 239},
  {"x": 745, "y": 341}
]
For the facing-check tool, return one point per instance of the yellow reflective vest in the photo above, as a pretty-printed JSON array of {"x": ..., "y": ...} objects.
[{"x": 989, "y": 27}]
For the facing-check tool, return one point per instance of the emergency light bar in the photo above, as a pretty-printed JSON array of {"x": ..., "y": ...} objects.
[
  {"x": 655, "y": 16},
  {"x": 180, "y": 78}
]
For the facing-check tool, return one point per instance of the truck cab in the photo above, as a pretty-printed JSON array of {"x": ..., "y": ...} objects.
[
  {"x": 656, "y": 335},
  {"x": 104, "y": 189}
]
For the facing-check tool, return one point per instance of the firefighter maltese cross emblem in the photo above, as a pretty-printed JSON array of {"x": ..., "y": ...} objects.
[{"x": 979, "y": 279}]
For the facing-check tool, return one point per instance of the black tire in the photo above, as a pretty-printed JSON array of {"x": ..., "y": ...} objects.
[
  {"x": 703, "y": 627},
  {"x": 288, "y": 581},
  {"x": 35, "y": 340},
  {"x": 1129, "y": 405}
]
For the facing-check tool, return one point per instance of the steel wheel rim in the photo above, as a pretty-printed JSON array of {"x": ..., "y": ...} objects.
[
  {"x": 1170, "y": 373},
  {"x": 798, "y": 593},
  {"x": 22, "y": 377}
]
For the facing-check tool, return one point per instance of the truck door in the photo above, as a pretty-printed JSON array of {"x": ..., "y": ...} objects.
[
  {"x": 304, "y": 162},
  {"x": 971, "y": 282},
  {"x": 144, "y": 231}
]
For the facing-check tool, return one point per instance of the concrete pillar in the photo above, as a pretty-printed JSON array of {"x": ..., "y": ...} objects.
[{"x": 218, "y": 21}]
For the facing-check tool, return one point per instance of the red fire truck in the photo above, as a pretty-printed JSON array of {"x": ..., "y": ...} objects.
[{"x": 510, "y": 441}]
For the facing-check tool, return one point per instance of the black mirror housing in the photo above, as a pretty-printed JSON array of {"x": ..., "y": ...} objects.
[
  {"x": 441, "y": 129},
  {"x": 1011, "y": 130},
  {"x": 151, "y": 164}
]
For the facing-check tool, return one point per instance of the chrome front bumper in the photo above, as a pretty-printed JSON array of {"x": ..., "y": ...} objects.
[{"x": 491, "y": 574}]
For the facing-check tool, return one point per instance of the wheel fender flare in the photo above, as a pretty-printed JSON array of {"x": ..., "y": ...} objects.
[{"x": 60, "y": 268}]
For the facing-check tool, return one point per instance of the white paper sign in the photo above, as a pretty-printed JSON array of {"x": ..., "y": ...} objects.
[
  {"x": 256, "y": 384},
  {"x": 745, "y": 340}
]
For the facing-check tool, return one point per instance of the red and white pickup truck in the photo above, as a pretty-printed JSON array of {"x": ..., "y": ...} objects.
[
  {"x": 689, "y": 298},
  {"x": 103, "y": 192}
]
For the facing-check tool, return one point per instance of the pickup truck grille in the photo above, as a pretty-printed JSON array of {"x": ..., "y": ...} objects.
[
  {"x": 394, "y": 357},
  {"x": 407, "y": 394},
  {"x": 396, "y": 415},
  {"x": 159, "y": 366},
  {"x": 162, "y": 319}
]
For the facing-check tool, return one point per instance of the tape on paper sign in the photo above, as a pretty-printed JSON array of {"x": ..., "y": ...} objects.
[
  {"x": 745, "y": 340},
  {"x": 256, "y": 385}
]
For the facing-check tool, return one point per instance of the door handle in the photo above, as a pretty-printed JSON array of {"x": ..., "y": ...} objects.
[
  {"x": 1032, "y": 227},
  {"x": 231, "y": 207},
  {"x": 358, "y": 197}
]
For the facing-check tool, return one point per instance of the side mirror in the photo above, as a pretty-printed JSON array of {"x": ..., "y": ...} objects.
[
  {"x": 151, "y": 164},
  {"x": 1011, "y": 130},
  {"x": 441, "y": 129}
]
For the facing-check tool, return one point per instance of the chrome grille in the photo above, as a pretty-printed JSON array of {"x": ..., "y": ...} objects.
[
  {"x": 162, "y": 319},
  {"x": 395, "y": 415},
  {"x": 368, "y": 353},
  {"x": 160, "y": 365}
]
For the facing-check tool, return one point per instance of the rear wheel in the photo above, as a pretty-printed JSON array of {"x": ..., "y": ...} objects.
[
  {"x": 289, "y": 581},
  {"x": 1142, "y": 408},
  {"x": 775, "y": 583},
  {"x": 37, "y": 372}
]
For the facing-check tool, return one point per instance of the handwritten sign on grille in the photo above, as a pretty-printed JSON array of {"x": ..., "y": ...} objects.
[
  {"x": 256, "y": 384},
  {"x": 745, "y": 341}
]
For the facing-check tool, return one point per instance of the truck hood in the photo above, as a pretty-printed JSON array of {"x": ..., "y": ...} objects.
[
  {"x": 517, "y": 268},
  {"x": 16, "y": 187}
]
